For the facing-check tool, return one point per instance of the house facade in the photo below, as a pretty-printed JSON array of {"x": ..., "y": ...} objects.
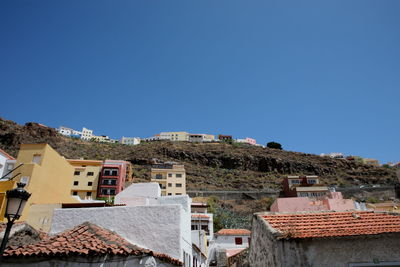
[
  {"x": 7, "y": 164},
  {"x": 304, "y": 186},
  {"x": 325, "y": 239},
  {"x": 86, "y": 177},
  {"x": 171, "y": 177},
  {"x": 46, "y": 175},
  {"x": 174, "y": 136},
  {"x": 112, "y": 179},
  {"x": 332, "y": 201},
  {"x": 200, "y": 138},
  {"x": 131, "y": 141}
]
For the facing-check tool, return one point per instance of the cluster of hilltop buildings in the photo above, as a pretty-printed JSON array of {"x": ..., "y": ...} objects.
[
  {"x": 88, "y": 212},
  {"x": 88, "y": 135},
  {"x": 367, "y": 161}
]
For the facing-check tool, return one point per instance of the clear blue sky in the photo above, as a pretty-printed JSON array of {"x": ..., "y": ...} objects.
[{"x": 316, "y": 76}]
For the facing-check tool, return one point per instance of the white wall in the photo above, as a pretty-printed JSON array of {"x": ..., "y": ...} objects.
[
  {"x": 228, "y": 241},
  {"x": 136, "y": 194}
]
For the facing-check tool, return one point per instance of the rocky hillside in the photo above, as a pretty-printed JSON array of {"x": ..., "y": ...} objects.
[{"x": 211, "y": 166}]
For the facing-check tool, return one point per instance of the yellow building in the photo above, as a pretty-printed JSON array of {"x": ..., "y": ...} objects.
[
  {"x": 174, "y": 136},
  {"x": 48, "y": 177},
  {"x": 372, "y": 162},
  {"x": 171, "y": 177},
  {"x": 86, "y": 177}
]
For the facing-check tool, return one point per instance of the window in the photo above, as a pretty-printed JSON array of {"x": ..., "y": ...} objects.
[
  {"x": 169, "y": 174},
  {"x": 76, "y": 182},
  {"x": 238, "y": 241},
  {"x": 312, "y": 181},
  {"x": 114, "y": 173},
  {"x": 75, "y": 193},
  {"x": 169, "y": 194},
  {"x": 88, "y": 194},
  {"x": 90, "y": 173},
  {"x": 109, "y": 182},
  {"x": 37, "y": 158},
  {"x": 77, "y": 172},
  {"x": 295, "y": 181},
  {"x": 178, "y": 175},
  {"x": 159, "y": 176},
  {"x": 178, "y": 194},
  {"x": 106, "y": 191},
  {"x": 107, "y": 172},
  {"x": 169, "y": 185},
  {"x": 178, "y": 185},
  {"x": 90, "y": 183}
]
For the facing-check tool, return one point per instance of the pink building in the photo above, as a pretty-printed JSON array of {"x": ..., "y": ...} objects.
[
  {"x": 333, "y": 201},
  {"x": 112, "y": 177},
  {"x": 251, "y": 141}
]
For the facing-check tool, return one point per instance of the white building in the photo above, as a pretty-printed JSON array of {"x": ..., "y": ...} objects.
[
  {"x": 333, "y": 155},
  {"x": 199, "y": 248},
  {"x": 161, "y": 224},
  {"x": 65, "y": 131},
  {"x": 7, "y": 164},
  {"x": 201, "y": 138},
  {"x": 132, "y": 141},
  {"x": 86, "y": 134},
  {"x": 228, "y": 242}
]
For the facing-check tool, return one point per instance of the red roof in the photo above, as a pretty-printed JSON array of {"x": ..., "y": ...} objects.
[
  {"x": 233, "y": 232},
  {"x": 84, "y": 240},
  {"x": 6, "y": 154},
  {"x": 331, "y": 224}
]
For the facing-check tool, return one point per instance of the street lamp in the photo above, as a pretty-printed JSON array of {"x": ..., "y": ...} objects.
[{"x": 16, "y": 200}]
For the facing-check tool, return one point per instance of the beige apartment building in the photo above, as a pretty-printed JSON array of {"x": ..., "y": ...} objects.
[
  {"x": 86, "y": 177},
  {"x": 174, "y": 136},
  {"x": 171, "y": 177}
]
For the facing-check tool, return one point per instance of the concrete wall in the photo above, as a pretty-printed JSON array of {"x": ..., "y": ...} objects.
[
  {"x": 159, "y": 228},
  {"x": 41, "y": 215},
  {"x": 266, "y": 250},
  {"x": 88, "y": 262}
]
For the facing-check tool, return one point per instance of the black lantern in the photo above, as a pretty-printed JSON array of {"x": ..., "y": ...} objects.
[{"x": 16, "y": 200}]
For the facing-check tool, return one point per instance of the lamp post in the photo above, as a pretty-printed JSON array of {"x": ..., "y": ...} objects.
[{"x": 16, "y": 200}]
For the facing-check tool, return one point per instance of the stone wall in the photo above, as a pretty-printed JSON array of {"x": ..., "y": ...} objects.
[{"x": 267, "y": 250}]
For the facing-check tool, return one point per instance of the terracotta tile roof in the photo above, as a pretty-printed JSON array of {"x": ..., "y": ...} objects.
[
  {"x": 86, "y": 239},
  {"x": 233, "y": 232},
  {"x": 333, "y": 224},
  {"x": 6, "y": 154}
]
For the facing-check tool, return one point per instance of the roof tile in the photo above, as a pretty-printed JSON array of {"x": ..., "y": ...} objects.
[
  {"x": 85, "y": 239},
  {"x": 333, "y": 224},
  {"x": 233, "y": 232}
]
